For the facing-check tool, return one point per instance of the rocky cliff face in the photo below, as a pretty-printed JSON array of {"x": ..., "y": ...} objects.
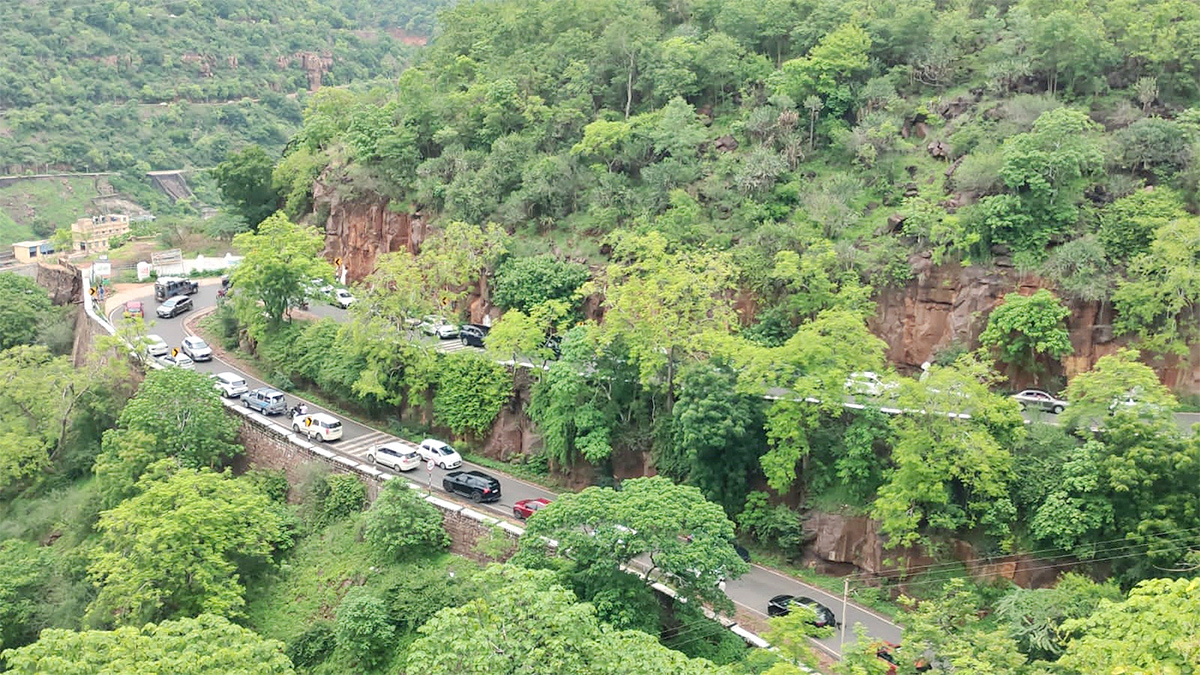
[
  {"x": 949, "y": 304},
  {"x": 359, "y": 230}
]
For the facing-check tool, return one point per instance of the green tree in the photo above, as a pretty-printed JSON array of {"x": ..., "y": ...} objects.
[
  {"x": 1160, "y": 301},
  {"x": 401, "y": 525},
  {"x": 792, "y": 634},
  {"x": 244, "y": 179},
  {"x": 828, "y": 71},
  {"x": 523, "y": 283},
  {"x": 471, "y": 391},
  {"x": 661, "y": 303},
  {"x": 1046, "y": 170},
  {"x": 204, "y": 645},
  {"x": 951, "y": 472},
  {"x": 1035, "y": 616},
  {"x": 603, "y": 529},
  {"x": 1114, "y": 638},
  {"x": 23, "y": 306},
  {"x": 1025, "y": 329},
  {"x": 24, "y": 575},
  {"x": 1128, "y": 225},
  {"x": 525, "y": 621},
  {"x": 718, "y": 433},
  {"x": 182, "y": 412},
  {"x": 804, "y": 376},
  {"x": 280, "y": 258},
  {"x": 951, "y": 628},
  {"x": 125, "y": 454},
  {"x": 1113, "y": 379},
  {"x": 181, "y": 547},
  {"x": 363, "y": 628}
]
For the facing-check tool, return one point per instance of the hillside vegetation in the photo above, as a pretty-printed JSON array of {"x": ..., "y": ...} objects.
[
  {"x": 742, "y": 179},
  {"x": 143, "y": 84}
]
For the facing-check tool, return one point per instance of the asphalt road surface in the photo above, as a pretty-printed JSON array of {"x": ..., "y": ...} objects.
[{"x": 750, "y": 592}]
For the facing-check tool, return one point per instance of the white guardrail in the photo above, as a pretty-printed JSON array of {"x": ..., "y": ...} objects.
[{"x": 374, "y": 473}]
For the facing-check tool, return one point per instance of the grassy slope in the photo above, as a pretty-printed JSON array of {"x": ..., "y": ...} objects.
[{"x": 57, "y": 201}]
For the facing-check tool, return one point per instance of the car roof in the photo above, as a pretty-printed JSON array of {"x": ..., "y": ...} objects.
[
  {"x": 268, "y": 391},
  {"x": 154, "y": 338},
  {"x": 538, "y": 500},
  {"x": 396, "y": 445},
  {"x": 323, "y": 417},
  {"x": 434, "y": 443},
  {"x": 134, "y": 303},
  {"x": 229, "y": 376},
  {"x": 193, "y": 338},
  {"x": 479, "y": 474}
]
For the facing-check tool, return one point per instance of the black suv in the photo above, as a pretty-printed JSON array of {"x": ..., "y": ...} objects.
[
  {"x": 477, "y": 485},
  {"x": 472, "y": 334}
]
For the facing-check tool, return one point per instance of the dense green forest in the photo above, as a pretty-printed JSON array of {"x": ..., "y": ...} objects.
[
  {"x": 685, "y": 212},
  {"x": 131, "y": 85}
]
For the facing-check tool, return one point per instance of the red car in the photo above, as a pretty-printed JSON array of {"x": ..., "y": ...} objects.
[
  {"x": 527, "y": 507},
  {"x": 134, "y": 308}
]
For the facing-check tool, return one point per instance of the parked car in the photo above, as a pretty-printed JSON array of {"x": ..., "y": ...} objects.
[
  {"x": 318, "y": 426},
  {"x": 887, "y": 652},
  {"x": 266, "y": 401},
  {"x": 155, "y": 345},
  {"x": 230, "y": 385},
  {"x": 781, "y": 605},
  {"x": 741, "y": 551},
  {"x": 866, "y": 383},
  {"x": 439, "y": 327},
  {"x": 134, "y": 308},
  {"x": 342, "y": 298},
  {"x": 319, "y": 287},
  {"x": 177, "y": 361},
  {"x": 475, "y": 485},
  {"x": 1036, "y": 398},
  {"x": 174, "y": 306},
  {"x": 395, "y": 455},
  {"x": 527, "y": 507},
  {"x": 197, "y": 348},
  {"x": 472, "y": 334},
  {"x": 441, "y": 454}
]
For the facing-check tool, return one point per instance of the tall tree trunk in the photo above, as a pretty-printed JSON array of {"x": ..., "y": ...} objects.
[{"x": 629, "y": 86}]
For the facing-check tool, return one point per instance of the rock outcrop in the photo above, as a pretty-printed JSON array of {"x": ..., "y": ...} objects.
[
  {"x": 359, "y": 230},
  {"x": 948, "y": 305},
  {"x": 841, "y": 544}
]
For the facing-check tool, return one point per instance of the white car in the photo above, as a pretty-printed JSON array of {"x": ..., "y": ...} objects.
[
  {"x": 318, "y": 426},
  {"x": 1036, "y": 398},
  {"x": 155, "y": 345},
  {"x": 866, "y": 383},
  {"x": 197, "y": 348},
  {"x": 440, "y": 454},
  {"x": 342, "y": 298},
  {"x": 230, "y": 385},
  {"x": 438, "y": 326},
  {"x": 178, "y": 361},
  {"x": 398, "y": 456},
  {"x": 320, "y": 287}
]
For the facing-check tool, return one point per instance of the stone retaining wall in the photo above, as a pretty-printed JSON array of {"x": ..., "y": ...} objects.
[{"x": 271, "y": 446}]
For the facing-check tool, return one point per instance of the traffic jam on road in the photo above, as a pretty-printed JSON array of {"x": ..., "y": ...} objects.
[{"x": 172, "y": 344}]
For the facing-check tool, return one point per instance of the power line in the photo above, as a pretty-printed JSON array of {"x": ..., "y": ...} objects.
[{"x": 1098, "y": 548}]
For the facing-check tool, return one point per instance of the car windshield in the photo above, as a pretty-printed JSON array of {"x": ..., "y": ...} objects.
[
  {"x": 197, "y": 343},
  {"x": 445, "y": 450}
]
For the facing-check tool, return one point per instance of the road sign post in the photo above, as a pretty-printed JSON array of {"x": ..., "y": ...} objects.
[{"x": 429, "y": 471}]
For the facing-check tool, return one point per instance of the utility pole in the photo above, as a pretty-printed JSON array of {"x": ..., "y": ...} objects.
[{"x": 845, "y": 603}]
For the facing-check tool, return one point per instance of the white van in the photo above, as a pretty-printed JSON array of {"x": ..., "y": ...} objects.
[{"x": 319, "y": 426}]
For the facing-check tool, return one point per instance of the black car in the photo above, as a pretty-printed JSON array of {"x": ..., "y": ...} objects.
[
  {"x": 174, "y": 306},
  {"x": 477, "y": 485},
  {"x": 781, "y": 605},
  {"x": 472, "y": 334}
]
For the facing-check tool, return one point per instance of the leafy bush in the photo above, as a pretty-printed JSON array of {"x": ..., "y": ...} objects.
[
  {"x": 470, "y": 392},
  {"x": 401, "y": 525},
  {"x": 313, "y": 646},
  {"x": 776, "y": 525},
  {"x": 342, "y": 496},
  {"x": 363, "y": 629},
  {"x": 423, "y": 591},
  {"x": 524, "y": 283}
]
